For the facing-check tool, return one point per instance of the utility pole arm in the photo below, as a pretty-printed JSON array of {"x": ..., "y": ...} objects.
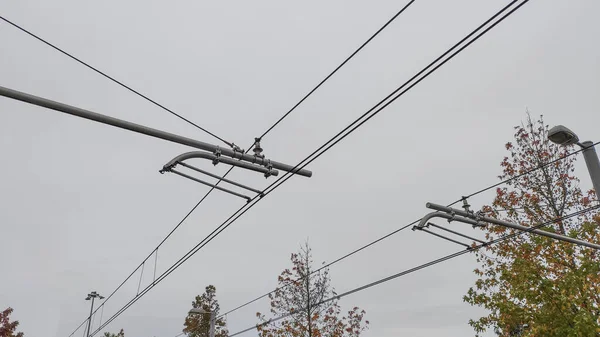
[
  {"x": 71, "y": 110},
  {"x": 472, "y": 216}
]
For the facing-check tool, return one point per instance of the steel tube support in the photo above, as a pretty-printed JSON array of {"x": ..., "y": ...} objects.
[
  {"x": 511, "y": 225},
  {"x": 119, "y": 123},
  {"x": 219, "y": 177},
  {"x": 211, "y": 185},
  {"x": 445, "y": 238},
  {"x": 426, "y": 218},
  {"x": 205, "y": 155},
  {"x": 455, "y": 233},
  {"x": 593, "y": 164}
]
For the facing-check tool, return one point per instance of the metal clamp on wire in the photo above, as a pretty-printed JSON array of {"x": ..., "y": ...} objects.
[
  {"x": 237, "y": 149},
  {"x": 416, "y": 227},
  {"x": 217, "y": 154},
  {"x": 168, "y": 167},
  {"x": 257, "y": 149},
  {"x": 269, "y": 168},
  {"x": 420, "y": 226},
  {"x": 479, "y": 217},
  {"x": 466, "y": 205},
  {"x": 452, "y": 217}
]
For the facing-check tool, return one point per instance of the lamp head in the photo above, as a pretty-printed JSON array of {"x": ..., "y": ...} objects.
[{"x": 561, "y": 135}]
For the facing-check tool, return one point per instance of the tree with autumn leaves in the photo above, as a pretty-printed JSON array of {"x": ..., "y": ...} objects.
[
  {"x": 8, "y": 328},
  {"x": 306, "y": 302},
  {"x": 120, "y": 334},
  {"x": 533, "y": 285},
  {"x": 198, "y": 325}
]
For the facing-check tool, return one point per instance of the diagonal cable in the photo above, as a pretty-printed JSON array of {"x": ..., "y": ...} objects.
[
  {"x": 332, "y": 142},
  {"x": 112, "y": 79},
  {"x": 425, "y": 265},
  {"x": 414, "y": 222},
  {"x": 338, "y": 67},
  {"x": 264, "y": 133},
  {"x": 395, "y": 232}
]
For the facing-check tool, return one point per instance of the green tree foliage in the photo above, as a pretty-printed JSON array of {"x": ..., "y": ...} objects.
[
  {"x": 8, "y": 328},
  {"x": 120, "y": 334},
  {"x": 302, "y": 295},
  {"x": 533, "y": 285},
  {"x": 198, "y": 325}
]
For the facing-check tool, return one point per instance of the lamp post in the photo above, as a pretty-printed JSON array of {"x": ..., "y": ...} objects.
[
  {"x": 561, "y": 135},
  {"x": 91, "y": 296},
  {"x": 200, "y": 311}
]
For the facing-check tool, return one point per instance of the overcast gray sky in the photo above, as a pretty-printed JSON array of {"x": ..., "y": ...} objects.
[{"x": 83, "y": 203}]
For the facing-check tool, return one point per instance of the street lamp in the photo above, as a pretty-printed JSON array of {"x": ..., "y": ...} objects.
[
  {"x": 92, "y": 296},
  {"x": 200, "y": 311},
  {"x": 561, "y": 135}
]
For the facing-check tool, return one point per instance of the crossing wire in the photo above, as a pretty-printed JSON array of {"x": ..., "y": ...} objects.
[
  {"x": 393, "y": 18},
  {"x": 401, "y": 87},
  {"x": 98, "y": 71},
  {"x": 399, "y": 230},
  {"x": 147, "y": 257},
  {"x": 423, "y": 266},
  {"x": 338, "y": 67},
  {"x": 327, "y": 146}
]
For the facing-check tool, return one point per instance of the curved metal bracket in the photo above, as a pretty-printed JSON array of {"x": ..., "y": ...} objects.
[
  {"x": 449, "y": 217},
  {"x": 484, "y": 219},
  {"x": 216, "y": 159}
]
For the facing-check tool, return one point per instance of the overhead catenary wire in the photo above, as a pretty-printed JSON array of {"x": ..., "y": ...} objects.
[
  {"x": 304, "y": 98},
  {"x": 332, "y": 142},
  {"x": 329, "y": 144},
  {"x": 98, "y": 71},
  {"x": 147, "y": 257},
  {"x": 524, "y": 173},
  {"x": 405, "y": 227},
  {"x": 338, "y": 67},
  {"x": 326, "y": 265},
  {"x": 425, "y": 265}
]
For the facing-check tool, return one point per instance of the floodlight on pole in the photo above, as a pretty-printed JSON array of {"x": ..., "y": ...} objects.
[
  {"x": 92, "y": 296},
  {"x": 562, "y": 135}
]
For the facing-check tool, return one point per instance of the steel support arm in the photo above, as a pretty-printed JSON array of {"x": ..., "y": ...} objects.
[
  {"x": 449, "y": 217},
  {"x": 71, "y": 110},
  {"x": 205, "y": 155},
  {"x": 510, "y": 225},
  {"x": 210, "y": 185},
  {"x": 220, "y": 178}
]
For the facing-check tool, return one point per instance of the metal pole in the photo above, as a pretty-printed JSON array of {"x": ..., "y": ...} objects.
[
  {"x": 212, "y": 324},
  {"x": 593, "y": 164},
  {"x": 511, "y": 225},
  {"x": 71, "y": 110},
  {"x": 90, "y": 318}
]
